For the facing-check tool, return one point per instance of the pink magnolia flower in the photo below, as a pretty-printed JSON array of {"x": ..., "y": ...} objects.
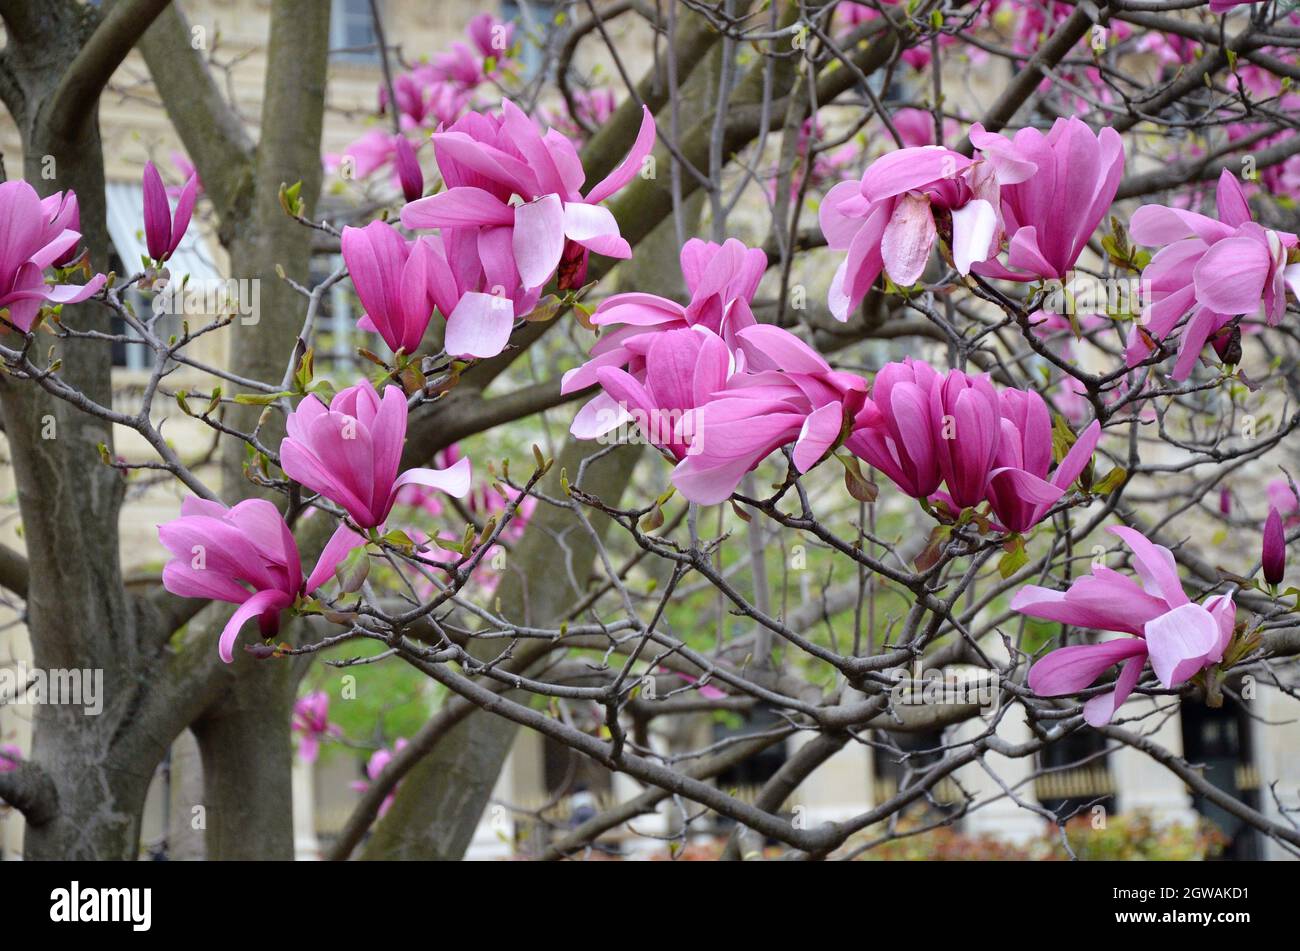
[
  {"x": 350, "y": 452},
  {"x": 1218, "y": 270},
  {"x": 1056, "y": 188},
  {"x": 163, "y": 228},
  {"x": 1282, "y": 497},
  {"x": 424, "y": 99},
  {"x": 400, "y": 283},
  {"x": 1180, "y": 638},
  {"x": 34, "y": 235},
  {"x": 893, "y": 432},
  {"x": 1223, "y": 6},
  {"x": 183, "y": 165},
  {"x": 381, "y": 149},
  {"x": 244, "y": 555},
  {"x": 371, "y": 152},
  {"x": 684, "y": 369},
  {"x": 311, "y": 721},
  {"x": 374, "y": 766},
  {"x": 392, "y": 278},
  {"x": 477, "y": 287},
  {"x": 786, "y": 395},
  {"x": 64, "y": 214},
  {"x": 409, "y": 174},
  {"x": 916, "y": 126},
  {"x": 469, "y": 65},
  {"x": 1274, "y": 556},
  {"x": 707, "y": 691},
  {"x": 10, "y": 757},
  {"x": 966, "y": 418},
  {"x": 485, "y": 163},
  {"x": 1018, "y": 488},
  {"x": 593, "y": 106},
  {"x": 721, "y": 280},
  {"x": 886, "y": 221}
]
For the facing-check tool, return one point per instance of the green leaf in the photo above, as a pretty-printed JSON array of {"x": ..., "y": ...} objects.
[
  {"x": 1062, "y": 438},
  {"x": 399, "y": 539},
  {"x": 1111, "y": 481},
  {"x": 259, "y": 399},
  {"x": 1015, "y": 557}
]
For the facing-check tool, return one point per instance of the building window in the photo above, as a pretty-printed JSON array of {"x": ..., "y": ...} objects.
[
  {"x": 1219, "y": 740},
  {"x": 352, "y": 32},
  {"x": 1075, "y": 776},
  {"x": 898, "y": 760}
]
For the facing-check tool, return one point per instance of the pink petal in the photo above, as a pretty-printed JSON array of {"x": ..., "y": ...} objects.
[
  {"x": 538, "y": 240},
  {"x": 631, "y": 164},
  {"x": 908, "y": 240},
  {"x": 479, "y": 326},
  {"x": 1181, "y": 642},
  {"x": 820, "y": 432},
  {"x": 157, "y": 214},
  {"x": 1071, "y": 669},
  {"x": 336, "y": 550},
  {"x": 454, "y": 480},
  {"x": 1100, "y": 709},
  {"x": 973, "y": 227},
  {"x": 462, "y": 207},
  {"x": 1230, "y": 276},
  {"x": 263, "y": 602}
]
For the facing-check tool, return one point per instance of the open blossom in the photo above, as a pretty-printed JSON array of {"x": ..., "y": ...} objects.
[
  {"x": 10, "y": 757},
  {"x": 788, "y": 395},
  {"x": 470, "y": 278},
  {"x": 350, "y": 451},
  {"x": 921, "y": 428},
  {"x": 482, "y": 58},
  {"x": 721, "y": 280},
  {"x": 244, "y": 555},
  {"x": 163, "y": 227},
  {"x": 595, "y": 107},
  {"x": 478, "y": 289},
  {"x": 374, "y": 766},
  {"x": 1018, "y": 488},
  {"x": 684, "y": 369},
  {"x": 1056, "y": 188},
  {"x": 1179, "y": 637},
  {"x": 887, "y": 221},
  {"x": 1217, "y": 270},
  {"x": 38, "y": 234},
  {"x": 893, "y": 432},
  {"x": 311, "y": 721},
  {"x": 423, "y": 99},
  {"x": 486, "y": 161}
]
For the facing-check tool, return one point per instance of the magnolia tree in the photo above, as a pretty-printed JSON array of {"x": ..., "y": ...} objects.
[{"x": 849, "y": 343}]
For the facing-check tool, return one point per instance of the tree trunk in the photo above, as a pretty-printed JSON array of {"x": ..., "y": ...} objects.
[{"x": 244, "y": 738}]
